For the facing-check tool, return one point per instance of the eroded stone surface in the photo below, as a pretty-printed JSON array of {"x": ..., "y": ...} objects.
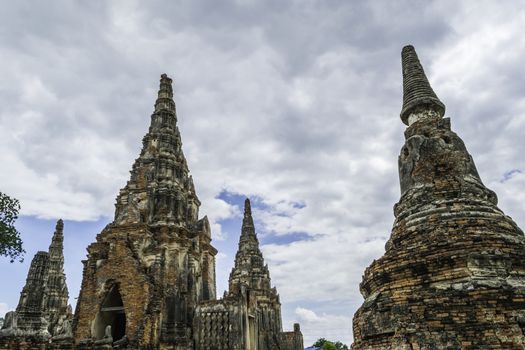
[{"x": 453, "y": 274}]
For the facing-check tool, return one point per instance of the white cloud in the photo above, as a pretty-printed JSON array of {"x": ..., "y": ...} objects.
[
  {"x": 325, "y": 269},
  {"x": 4, "y": 308},
  {"x": 328, "y": 326},
  {"x": 295, "y": 103}
]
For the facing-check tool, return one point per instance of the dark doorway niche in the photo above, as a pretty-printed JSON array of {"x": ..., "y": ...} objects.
[{"x": 111, "y": 314}]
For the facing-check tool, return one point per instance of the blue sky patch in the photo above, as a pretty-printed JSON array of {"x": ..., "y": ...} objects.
[{"x": 510, "y": 174}]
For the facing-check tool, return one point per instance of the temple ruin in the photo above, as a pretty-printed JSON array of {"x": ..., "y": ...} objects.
[
  {"x": 249, "y": 315},
  {"x": 43, "y": 315},
  {"x": 149, "y": 279},
  {"x": 453, "y": 274},
  {"x": 154, "y": 263}
]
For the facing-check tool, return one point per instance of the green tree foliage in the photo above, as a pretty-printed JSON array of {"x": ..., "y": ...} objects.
[
  {"x": 340, "y": 346},
  {"x": 319, "y": 343},
  {"x": 10, "y": 242},
  {"x": 328, "y": 345}
]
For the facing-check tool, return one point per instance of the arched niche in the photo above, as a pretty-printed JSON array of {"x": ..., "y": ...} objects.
[{"x": 111, "y": 313}]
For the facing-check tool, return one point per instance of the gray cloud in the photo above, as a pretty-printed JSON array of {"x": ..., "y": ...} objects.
[{"x": 290, "y": 101}]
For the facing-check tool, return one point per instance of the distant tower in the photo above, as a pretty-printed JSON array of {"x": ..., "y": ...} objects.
[
  {"x": 453, "y": 274},
  {"x": 250, "y": 279},
  {"x": 249, "y": 269},
  {"x": 31, "y": 310},
  {"x": 57, "y": 293},
  {"x": 43, "y": 307},
  {"x": 249, "y": 315},
  {"x": 149, "y": 268}
]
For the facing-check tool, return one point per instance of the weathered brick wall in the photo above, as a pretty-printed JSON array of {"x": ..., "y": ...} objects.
[
  {"x": 115, "y": 264},
  {"x": 453, "y": 272},
  {"x": 31, "y": 343},
  {"x": 292, "y": 340}
]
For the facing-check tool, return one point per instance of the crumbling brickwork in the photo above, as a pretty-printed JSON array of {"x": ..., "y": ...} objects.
[
  {"x": 292, "y": 340},
  {"x": 453, "y": 274}
]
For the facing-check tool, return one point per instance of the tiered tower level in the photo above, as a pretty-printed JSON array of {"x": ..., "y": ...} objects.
[
  {"x": 453, "y": 274},
  {"x": 150, "y": 267}
]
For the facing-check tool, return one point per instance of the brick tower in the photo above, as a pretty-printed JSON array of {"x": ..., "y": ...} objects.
[
  {"x": 249, "y": 315},
  {"x": 43, "y": 315},
  {"x": 149, "y": 268},
  {"x": 453, "y": 274}
]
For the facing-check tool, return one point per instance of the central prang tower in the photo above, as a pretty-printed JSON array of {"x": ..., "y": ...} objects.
[{"x": 154, "y": 263}]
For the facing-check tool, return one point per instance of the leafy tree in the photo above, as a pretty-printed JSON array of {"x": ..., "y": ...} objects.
[
  {"x": 319, "y": 343},
  {"x": 328, "y": 345},
  {"x": 340, "y": 346},
  {"x": 10, "y": 242}
]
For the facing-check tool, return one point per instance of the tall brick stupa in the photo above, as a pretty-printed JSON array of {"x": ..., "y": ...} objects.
[{"x": 453, "y": 274}]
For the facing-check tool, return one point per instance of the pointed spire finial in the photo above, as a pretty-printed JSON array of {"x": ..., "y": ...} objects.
[
  {"x": 247, "y": 207},
  {"x": 417, "y": 91},
  {"x": 58, "y": 235},
  {"x": 60, "y": 226},
  {"x": 165, "y": 95},
  {"x": 247, "y": 222},
  {"x": 56, "y": 248}
]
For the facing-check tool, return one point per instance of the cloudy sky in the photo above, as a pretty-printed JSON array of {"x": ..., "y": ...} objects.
[{"x": 294, "y": 104}]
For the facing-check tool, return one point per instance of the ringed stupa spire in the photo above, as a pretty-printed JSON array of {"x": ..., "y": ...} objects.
[
  {"x": 453, "y": 272},
  {"x": 417, "y": 91}
]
